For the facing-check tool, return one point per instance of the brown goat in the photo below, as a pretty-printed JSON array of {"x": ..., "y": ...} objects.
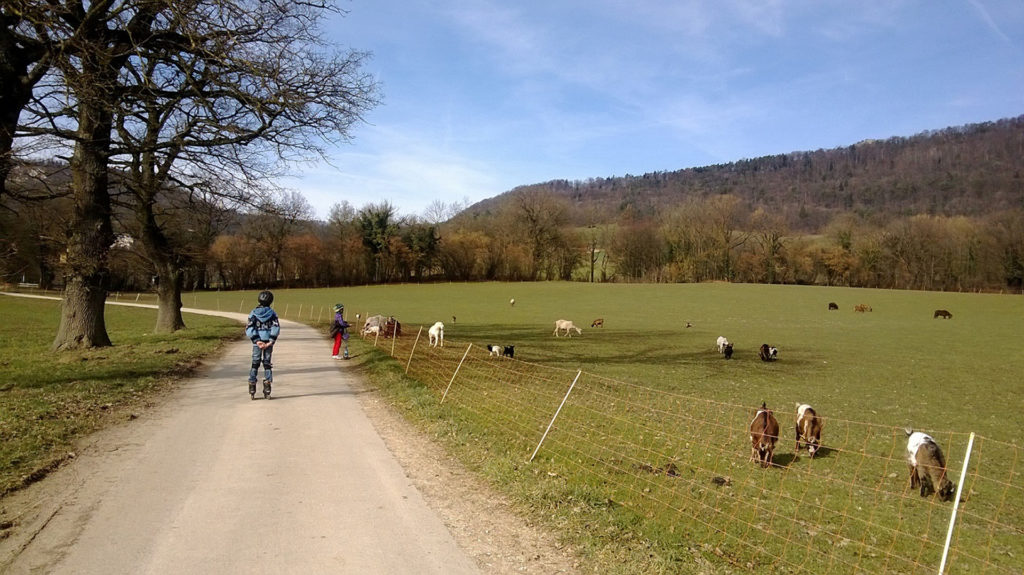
[
  {"x": 927, "y": 466},
  {"x": 808, "y": 429},
  {"x": 862, "y": 307},
  {"x": 599, "y": 322},
  {"x": 764, "y": 432}
]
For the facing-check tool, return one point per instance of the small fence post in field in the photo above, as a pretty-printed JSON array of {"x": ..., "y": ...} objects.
[
  {"x": 300, "y": 312},
  {"x": 445, "y": 394},
  {"x": 956, "y": 503},
  {"x": 557, "y": 411},
  {"x": 394, "y": 338},
  {"x": 240, "y": 304},
  {"x": 408, "y": 363}
]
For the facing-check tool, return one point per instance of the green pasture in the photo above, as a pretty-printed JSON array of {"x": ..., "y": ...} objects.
[
  {"x": 49, "y": 400},
  {"x": 870, "y": 374},
  {"x": 656, "y": 396},
  {"x": 895, "y": 365}
]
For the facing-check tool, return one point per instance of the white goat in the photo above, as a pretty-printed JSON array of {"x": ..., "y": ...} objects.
[
  {"x": 436, "y": 334},
  {"x": 722, "y": 342},
  {"x": 567, "y": 325}
]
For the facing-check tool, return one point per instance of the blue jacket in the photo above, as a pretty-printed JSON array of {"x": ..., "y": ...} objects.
[{"x": 263, "y": 325}]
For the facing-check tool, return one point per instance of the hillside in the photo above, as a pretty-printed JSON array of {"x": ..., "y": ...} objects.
[{"x": 968, "y": 170}]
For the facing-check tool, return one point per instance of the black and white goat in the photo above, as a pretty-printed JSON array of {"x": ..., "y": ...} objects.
[{"x": 927, "y": 466}]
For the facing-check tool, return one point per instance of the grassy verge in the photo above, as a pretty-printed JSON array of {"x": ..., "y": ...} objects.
[{"x": 50, "y": 400}]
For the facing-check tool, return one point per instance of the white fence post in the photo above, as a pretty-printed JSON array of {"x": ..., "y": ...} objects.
[
  {"x": 956, "y": 504},
  {"x": 445, "y": 394},
  {"x": 408, "y": 363},
  {"x": 557, "y": 411}
]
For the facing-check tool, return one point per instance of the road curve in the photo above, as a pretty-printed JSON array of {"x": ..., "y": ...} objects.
[{"x": 212, "y": 482}]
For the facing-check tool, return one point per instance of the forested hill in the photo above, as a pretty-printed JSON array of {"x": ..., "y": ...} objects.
[{"x": 968, "y": 170}]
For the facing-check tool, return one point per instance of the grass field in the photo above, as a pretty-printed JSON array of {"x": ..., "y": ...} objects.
[
  {"x": 656, "y": 396},
  {"x": 896, "y": 365},
  {"x": 49, "y": 400}
]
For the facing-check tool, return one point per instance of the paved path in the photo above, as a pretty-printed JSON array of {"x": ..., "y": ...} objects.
[{"x": 212, "y": 482}]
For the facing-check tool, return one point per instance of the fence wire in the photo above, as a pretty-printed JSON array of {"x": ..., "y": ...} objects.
[{"x": 682, "y": 465}]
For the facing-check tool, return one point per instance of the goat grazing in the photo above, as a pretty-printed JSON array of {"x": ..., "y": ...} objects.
[
  {"x": 768, "y": 353},
  {"x": 599, "y": 322},
  {"x": 512, "y": 302},
  {"x": 832, "y": 305},
  {"x": 808, "y": 429},
  {"x": 436, "y": 335},
  {"x": 862, "y": 307},
  {"x": 727, "y": 351},
  {"x": 496, "y": 350},
  {"x": 943, "y": 314},
  {"x": 722, "y": 342},
  {"x": 374, "y": 321},
  {"x": 927, "y": 466},
  {"x": 764, "y": 432},
  {"x": 567, "y": 326}
]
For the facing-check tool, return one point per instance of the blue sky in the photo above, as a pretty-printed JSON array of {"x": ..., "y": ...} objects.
[{"x": 480, "y": 96}]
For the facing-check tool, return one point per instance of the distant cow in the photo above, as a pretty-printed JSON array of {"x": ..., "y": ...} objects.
[
  {"x": 862, "y": 307},
  {"x": 567, "y": 326},
  {"x": 832, "y": 305},
  {"x": 599, "y": 322},
  {"x": 764, "y": 432},
  {"x": 808, "y": 429},
  {"x": 768, "y": 353},
  {"x": 943, "y": 314},
  {"x": 927, "y": 466}
]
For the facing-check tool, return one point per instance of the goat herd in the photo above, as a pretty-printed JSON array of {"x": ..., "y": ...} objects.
[
  {"x": 925, "y": 461},
  {"x": 926, "y": 464}
]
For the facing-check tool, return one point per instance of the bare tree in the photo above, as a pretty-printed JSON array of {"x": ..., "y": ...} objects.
[
  {"x": 24, "y": 60},
  {"x": 196, "y": 89}
]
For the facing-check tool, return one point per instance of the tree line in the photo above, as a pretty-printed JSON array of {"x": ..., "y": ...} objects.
[{"x": 719, "y": 238}]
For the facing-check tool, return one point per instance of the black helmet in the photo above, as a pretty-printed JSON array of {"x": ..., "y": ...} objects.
[
  {"x": 265, "y": 298},
  {"x": 338, "y": 307}
]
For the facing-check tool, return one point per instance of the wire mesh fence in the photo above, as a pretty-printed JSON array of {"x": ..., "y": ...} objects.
[{"x": 681, "y": 465}]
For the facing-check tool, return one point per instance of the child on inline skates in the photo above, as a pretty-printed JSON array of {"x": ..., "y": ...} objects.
[
  {"x": 262, "y": 329},
  {"x": 339, "y": 331}
]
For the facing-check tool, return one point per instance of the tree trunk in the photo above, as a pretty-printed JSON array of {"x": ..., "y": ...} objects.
[
  {"x": 82, "y": 324},
  {"x": 168, "y": 317}
]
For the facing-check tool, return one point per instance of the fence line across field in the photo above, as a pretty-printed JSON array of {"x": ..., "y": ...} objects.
[{"x": 680, "y": 460}]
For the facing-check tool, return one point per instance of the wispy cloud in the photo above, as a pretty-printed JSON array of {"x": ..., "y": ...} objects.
[{"x": 983, "y": 13}]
